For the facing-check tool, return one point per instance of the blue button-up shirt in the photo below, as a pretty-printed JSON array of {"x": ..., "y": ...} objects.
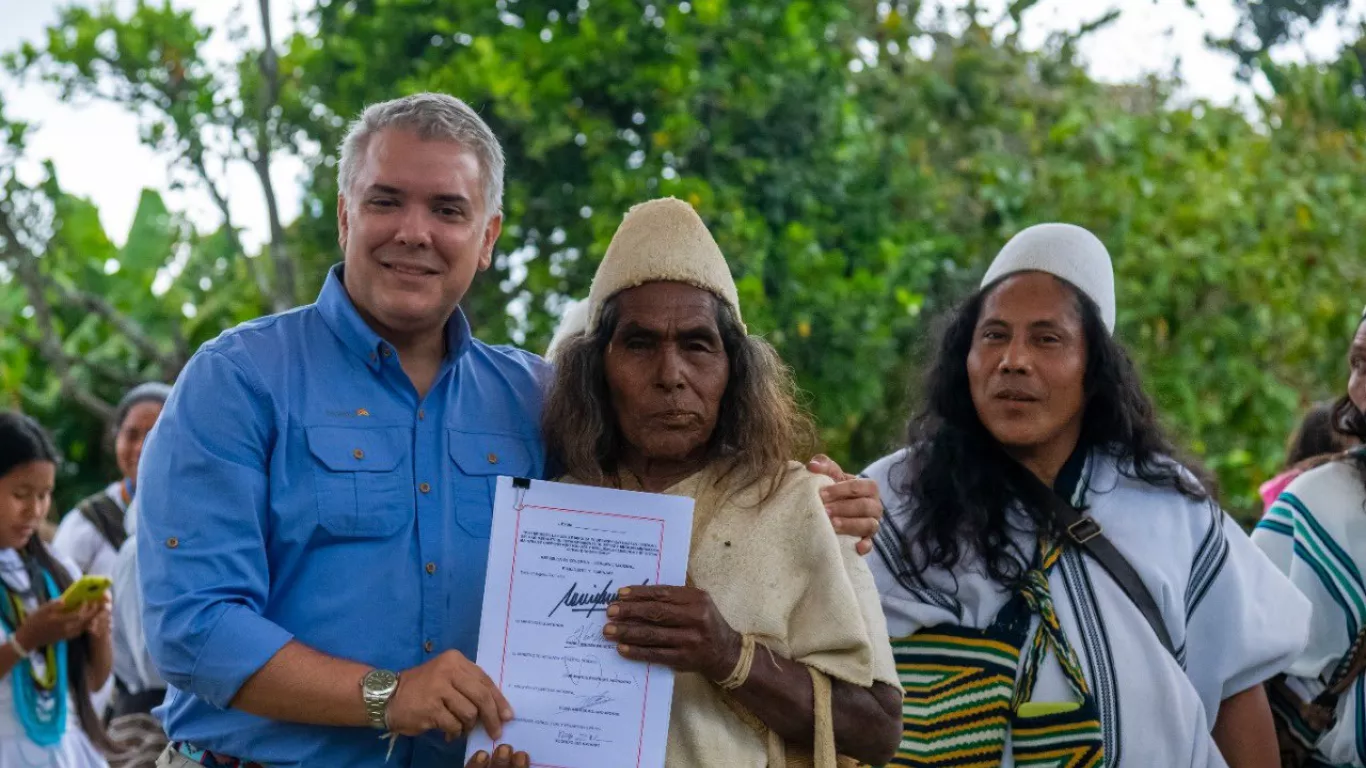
[{"x": 296, "y": 487}]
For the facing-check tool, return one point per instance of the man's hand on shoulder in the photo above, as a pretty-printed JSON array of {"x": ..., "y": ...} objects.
[{"x": 853, "y": 503}]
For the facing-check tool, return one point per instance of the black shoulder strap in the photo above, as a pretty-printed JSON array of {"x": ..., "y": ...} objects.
[
  {"x": 1348, "y": 669},
  {"x": 106, "y": 516},
  {"x": 1087, "y": 534}
]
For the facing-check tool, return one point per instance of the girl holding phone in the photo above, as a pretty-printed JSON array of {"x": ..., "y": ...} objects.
[{"x": 51, "y": 657}]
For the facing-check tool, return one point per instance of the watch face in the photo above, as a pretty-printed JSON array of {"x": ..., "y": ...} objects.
[{"x": 380, "y": 681}]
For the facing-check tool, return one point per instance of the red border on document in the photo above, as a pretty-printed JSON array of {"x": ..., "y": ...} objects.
[{"x": 507, "y": 620}]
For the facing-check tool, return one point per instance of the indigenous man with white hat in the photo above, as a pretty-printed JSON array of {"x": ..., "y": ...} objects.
[
  {"x": 778, "y": 639},
  {"x": 317, "y": 496},
  {"x": 1054, "y": 582}
]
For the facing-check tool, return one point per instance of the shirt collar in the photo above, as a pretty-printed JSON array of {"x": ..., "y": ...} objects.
[
  {"x": 1070, "y": 476},
  {"x": 341, "y": 317}
]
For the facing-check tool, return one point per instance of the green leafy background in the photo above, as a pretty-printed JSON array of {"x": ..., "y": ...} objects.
[{"x": 858, "y": 167}]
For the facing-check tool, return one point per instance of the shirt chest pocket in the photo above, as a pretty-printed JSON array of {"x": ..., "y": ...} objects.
[
  {"x": 361, "y": 480},
  {"x": 477, "y": 460}
]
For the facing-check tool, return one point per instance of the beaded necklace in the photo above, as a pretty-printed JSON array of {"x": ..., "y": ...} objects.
[{"x": 39, "y": 697}]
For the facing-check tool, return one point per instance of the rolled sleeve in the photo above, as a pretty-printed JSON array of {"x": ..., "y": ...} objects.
[
  {"x": 201, "y": 535},
  {"x": 240, "y": 642}
]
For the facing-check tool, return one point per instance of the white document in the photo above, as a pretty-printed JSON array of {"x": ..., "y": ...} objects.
[{"x": 558, "y": 553}]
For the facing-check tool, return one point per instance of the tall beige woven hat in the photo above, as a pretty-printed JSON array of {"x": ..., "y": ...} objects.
[{"x": 661, "y": 240}]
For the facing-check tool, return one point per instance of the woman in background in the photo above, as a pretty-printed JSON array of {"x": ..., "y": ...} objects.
[
  {"x": 1313, "y": 444},
  {"x": 51, "y": 658},
  {"x": 91, "y": 534},
  {"x": 1315, "y": 533}
]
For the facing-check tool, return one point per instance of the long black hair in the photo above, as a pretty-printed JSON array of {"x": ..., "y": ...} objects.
[
  {"x": 1350, "y": 420},
  {"x": 960, "y": 482},
  {"x": 1317, "y": 435},
  {"x": 23, "y": 441}
]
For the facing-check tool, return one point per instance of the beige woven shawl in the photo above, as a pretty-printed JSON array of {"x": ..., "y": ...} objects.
[{"x": 775, "y": 568}]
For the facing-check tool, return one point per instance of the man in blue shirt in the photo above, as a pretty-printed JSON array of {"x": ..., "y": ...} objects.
[{"x": 317, "y": 496}]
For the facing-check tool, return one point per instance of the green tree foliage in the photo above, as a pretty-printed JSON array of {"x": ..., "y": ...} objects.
[
  {"x": 1265, "y": 24},
  {"x": 201, "y": 114},
  {"x": 83, "y": 320},
  {"x": 858, "y": 167},
  {"x": 747, "y": 110}
]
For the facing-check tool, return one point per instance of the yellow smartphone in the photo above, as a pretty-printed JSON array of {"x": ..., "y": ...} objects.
[{"x": 86, "y": 589}]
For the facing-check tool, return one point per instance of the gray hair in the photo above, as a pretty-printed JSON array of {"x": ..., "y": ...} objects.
[{"x": 433, "y": 116}]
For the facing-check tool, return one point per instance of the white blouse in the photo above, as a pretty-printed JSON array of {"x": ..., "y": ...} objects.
[
  {"x": 16, "y": 749},
  {"x": 78, "y": 539},
  {"x": 1316, "y": 534}
]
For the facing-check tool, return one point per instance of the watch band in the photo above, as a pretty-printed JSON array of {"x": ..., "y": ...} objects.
[
  {"x": 375, "y": 709},
  {"x": 377, "y": 688}
]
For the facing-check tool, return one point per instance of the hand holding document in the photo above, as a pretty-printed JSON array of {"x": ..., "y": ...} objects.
[{"x": 558, "y": 553}]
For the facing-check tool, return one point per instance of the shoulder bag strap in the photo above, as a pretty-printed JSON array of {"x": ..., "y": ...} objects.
[
  {"x": 107, "y": 518},
  {"x": 1086, "y": 533},
  {"x": 1348, "y": 670}
]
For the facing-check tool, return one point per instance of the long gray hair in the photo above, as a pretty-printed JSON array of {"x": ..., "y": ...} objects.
[{"x": 759, "y": 429}]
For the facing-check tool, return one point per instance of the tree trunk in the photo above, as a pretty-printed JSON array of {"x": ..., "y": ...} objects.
[{"x": 284, "y": 294}]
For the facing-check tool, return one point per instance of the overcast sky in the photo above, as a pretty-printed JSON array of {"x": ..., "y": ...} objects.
[{"x": 96, "y": 151}]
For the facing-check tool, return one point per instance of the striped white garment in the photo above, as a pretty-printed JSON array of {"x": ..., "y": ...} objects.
[
  {"x": 1316, "y": 534},
  {"x": 1234, "y": 619},
  {"x": 138, "y": 739}
]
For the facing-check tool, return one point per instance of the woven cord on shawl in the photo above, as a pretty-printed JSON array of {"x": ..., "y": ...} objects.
[
  {"x": 1049, "y": 635},
  {"x": 822, "y": 753},
  {"x": 740, "y": 673}
]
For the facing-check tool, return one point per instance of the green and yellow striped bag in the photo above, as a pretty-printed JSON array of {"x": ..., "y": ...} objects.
[{"x": 963, "y": 703}]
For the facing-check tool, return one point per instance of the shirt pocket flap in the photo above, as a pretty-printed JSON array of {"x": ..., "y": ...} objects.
[
  {"x": 355, "y": 450},
  {"x": 481, "y": 455}
]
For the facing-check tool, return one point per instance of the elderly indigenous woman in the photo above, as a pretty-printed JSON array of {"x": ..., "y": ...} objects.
[
  {"x": 1316, "y": 534},
  {"x": 1036, "y": 442},
  {"x": 777, "y": 639}
]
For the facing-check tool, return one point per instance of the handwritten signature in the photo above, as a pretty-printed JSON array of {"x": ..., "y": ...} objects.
[
  {"x": 587, "y": 602},
  {"x": 587, "y": 739},
  {"x": 588, "y": 635},
  {"x": 588, "y": 702}
]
